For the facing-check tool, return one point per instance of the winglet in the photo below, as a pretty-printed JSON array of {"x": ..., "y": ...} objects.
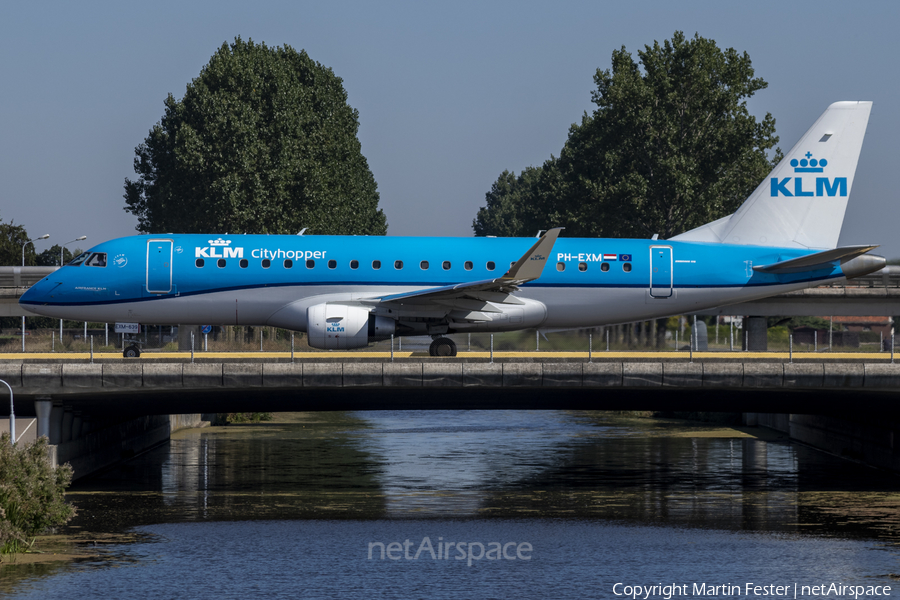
[{"x": 531, "y": 265}]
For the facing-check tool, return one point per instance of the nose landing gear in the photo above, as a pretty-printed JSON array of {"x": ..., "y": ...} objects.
[{"x": 442, "y": 347}]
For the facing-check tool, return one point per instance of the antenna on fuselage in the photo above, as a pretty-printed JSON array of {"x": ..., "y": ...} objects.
[{"x": 302, "y": 231}]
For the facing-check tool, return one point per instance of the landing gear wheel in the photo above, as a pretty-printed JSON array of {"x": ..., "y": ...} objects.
[
  {"x": 442, "y": 347},
  {"x": 132, "y": 352}
]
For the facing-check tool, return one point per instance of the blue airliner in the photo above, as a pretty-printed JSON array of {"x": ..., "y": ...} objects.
[{"x": 348, "y": 291}]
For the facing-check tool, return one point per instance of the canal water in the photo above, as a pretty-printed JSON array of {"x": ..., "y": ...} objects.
[{"x": 479, "y": 504}]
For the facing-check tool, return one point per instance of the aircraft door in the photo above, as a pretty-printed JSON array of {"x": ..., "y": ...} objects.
[
  {"x": 661, "y": 271},
  {"x": 159, "y": 266}
]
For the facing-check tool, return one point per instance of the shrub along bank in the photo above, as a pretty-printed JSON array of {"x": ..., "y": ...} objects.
[{"x": 31, "y": 494}]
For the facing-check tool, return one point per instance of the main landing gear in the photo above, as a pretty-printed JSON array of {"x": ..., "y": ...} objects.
[{"x": 442, "y": 347}]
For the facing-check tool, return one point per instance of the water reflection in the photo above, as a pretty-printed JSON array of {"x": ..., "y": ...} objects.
[{"x": 466, "y": 464}]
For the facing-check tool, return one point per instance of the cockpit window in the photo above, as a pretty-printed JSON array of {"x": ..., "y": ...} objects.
[
  {"x": 97, "y": 259},
  {"x": 76, "y": 262}
]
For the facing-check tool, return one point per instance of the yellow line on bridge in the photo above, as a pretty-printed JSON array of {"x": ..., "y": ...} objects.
[{"x": 779, "y": 356}]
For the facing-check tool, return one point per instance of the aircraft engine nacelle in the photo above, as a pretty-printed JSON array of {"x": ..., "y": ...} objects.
[{"x": 339, "y": 327}]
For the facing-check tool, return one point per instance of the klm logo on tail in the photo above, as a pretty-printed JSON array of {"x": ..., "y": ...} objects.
[{"x": 824, "y": 186}]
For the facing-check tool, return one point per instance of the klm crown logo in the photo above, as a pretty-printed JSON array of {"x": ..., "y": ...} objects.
[
  {"x": 808, "y": 166},
  {"x": 824, "y": 186},
  {"x": 220, "y": 242}
]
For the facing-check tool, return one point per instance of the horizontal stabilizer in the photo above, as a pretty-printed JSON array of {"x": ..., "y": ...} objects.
[{"x": 812, "y": 262}]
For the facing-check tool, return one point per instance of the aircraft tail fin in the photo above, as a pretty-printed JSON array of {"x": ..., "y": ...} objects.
[{"x": 801, "y": 204}]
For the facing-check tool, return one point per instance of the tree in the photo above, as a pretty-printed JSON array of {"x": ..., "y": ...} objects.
[
  {"x": 263, "y": 141},
  {"x": 12, "y": 237},
  {"x": 512, "y": 208},
  {"x": 671, "y": 146},
  {"x": 50, "y": 256}
]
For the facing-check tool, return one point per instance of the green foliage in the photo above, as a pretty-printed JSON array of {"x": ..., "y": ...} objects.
[
  {"x": 778, "y": 336},
  {"x": 50, "y": 257},
  {"x": 247, "y": 417},
  {"x": 514, "y": 204},
  {"x": 31, "y": 493},
  {"x": 794, "y": 322},
  {"x": 12, "y": 237},
  {"x": 671, "y": 146},
  {"x": 263, "y": 141}
]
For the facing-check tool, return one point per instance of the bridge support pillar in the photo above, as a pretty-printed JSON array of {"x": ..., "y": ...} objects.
[
  {"x": 756, "y": 334},
  {"x": 56, "y": 424},
  {"x": 42, "y": 407},
  {"x": 77, "y": 424},
  {"x": 67, "y": 418}
]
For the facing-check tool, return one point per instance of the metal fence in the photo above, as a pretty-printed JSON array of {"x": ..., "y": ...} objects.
[{"x": 727, "y": 336}]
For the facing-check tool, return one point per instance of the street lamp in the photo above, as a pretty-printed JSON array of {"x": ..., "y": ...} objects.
[
  {"x": 61, "y": 248},
  {"x": 43, "y": 237}
]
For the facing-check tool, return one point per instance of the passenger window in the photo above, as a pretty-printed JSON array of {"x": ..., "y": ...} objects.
[
  {"x": 266, "y": 263},
  {"x": 332, "y": 264},
  {"x": 97, "y": 259},
  {"x": 288, "y": 263},
  {"x": 244, "y": 263},
  {"x": 423, "y": 265},
  {"x": 626, "y": 267},
  {"x": 376, "y": 264},
  {"x": 604, "y": 267},
  {"x": 398, "y": 264},
  {"x": 582, "y": 266},
  {"x": 560, "y": 266},
  {"x": 469, "y": 265},
  {"x": 446, "y": 265},
  {"x": 199, "y": 262},
  {"x": 490, "y": 265},
  {"x": 354, "y": 264},
  {"x": 310, "y": 263},
  {"x": 221, "y": 263}
]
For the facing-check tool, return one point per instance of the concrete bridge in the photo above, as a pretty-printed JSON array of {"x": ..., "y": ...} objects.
[
  {"x": 96, "y": 414},
  {"x": 124, "y": 389}
]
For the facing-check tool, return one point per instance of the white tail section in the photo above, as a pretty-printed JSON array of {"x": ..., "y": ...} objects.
[{"x": 802, "y": 202}]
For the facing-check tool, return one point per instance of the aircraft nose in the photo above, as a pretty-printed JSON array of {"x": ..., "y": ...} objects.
[{"x": 39, "y": 293}]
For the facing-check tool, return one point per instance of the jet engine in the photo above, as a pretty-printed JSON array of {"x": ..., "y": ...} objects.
[{"x": 340, "y": 327}]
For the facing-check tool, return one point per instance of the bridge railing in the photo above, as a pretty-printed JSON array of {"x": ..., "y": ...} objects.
[{"x": 633, "y": 337}]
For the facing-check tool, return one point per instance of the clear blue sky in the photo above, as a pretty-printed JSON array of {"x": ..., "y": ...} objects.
[{"x": 449, "y": 94}]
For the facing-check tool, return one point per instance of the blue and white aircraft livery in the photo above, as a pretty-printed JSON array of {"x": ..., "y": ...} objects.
[{"x": 346, "y": 292}]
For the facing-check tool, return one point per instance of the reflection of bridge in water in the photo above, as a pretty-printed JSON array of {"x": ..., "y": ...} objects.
[{"x": 511, "y": 464}]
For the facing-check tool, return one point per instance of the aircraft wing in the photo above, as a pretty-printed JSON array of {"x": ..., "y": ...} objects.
[{"x": 476, "y": 296}]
